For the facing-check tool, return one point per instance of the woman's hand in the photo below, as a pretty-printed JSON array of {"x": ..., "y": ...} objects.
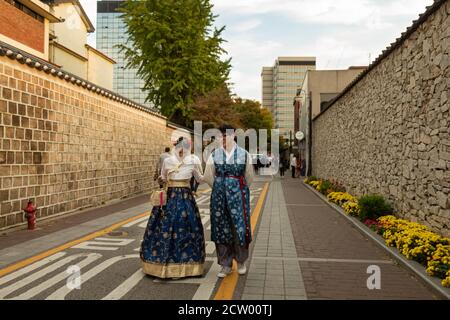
[{"x": 161, "y": 181}]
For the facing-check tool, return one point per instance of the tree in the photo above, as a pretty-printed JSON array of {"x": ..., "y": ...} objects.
[
  {"x": 215, "y": 109},
  {"x": 176, "y": 50},
  {"x": 252, "y": 115}
]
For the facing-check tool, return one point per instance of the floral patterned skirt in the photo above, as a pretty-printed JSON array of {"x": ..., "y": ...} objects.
[{"x": 174, "y": 242}]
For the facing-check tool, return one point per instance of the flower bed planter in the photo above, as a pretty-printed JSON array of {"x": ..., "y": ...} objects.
[{"x": 368, "y": 229}]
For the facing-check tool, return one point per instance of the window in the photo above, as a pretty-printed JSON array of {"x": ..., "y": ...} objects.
[{"x": 28, "y": 11}]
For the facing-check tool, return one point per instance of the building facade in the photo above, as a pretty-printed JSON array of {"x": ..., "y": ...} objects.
[
  {"x": 111, "y": 31},
  {"x": 288, "y": 74},
  {"x": 69, "y": 49},
  {"x": 25, "y": 25},
  {"x": 318, "y": 89}
]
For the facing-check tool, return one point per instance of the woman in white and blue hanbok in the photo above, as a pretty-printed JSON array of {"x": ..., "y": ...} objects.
[{"x": 174, "y": 242}]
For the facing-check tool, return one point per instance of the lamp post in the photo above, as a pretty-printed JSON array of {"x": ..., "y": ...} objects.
[{"x": 290, "y": 142}]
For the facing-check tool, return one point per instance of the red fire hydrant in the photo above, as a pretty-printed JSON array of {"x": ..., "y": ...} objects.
[{"x": 30, "y": 214}]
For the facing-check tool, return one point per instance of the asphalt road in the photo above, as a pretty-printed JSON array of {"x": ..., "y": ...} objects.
[{"x": 109, "y": 268}]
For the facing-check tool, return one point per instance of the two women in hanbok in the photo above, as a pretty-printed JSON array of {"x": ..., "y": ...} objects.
[{"x": 174, "y": 242}]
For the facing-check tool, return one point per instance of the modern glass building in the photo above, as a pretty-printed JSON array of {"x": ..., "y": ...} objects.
[
  {"x": 280, "y": 84},
  {"x": 111, "y": 31}
]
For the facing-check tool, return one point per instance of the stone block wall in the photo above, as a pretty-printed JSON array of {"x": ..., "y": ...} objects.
[
  {"x": 67, "y": 147},
  {"x": 390, "y": 133}
]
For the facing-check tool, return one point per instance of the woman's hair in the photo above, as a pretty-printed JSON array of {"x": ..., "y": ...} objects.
[
  {"x": 183, "y": 142},
  {"x": 225, "y": 127}
]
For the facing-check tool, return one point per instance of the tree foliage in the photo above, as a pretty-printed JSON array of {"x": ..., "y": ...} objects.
[
  {"x": 176, "y": 50},
  {"x": 219, "y": 107}
]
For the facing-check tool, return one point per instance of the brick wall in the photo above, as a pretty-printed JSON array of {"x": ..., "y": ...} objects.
[
  {"x": 67, "y": 147},
  {"x": 390, "y": 133},
  {"x": 19, "y": 26}
]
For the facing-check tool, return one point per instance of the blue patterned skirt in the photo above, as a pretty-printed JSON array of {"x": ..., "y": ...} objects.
[{"x": 174, "y": 242}]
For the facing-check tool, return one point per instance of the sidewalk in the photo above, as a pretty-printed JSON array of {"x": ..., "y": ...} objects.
[{"x": 306, "y": 250}]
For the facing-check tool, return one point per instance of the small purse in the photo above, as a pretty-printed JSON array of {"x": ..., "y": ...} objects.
[{"x": 158, "y": 198}]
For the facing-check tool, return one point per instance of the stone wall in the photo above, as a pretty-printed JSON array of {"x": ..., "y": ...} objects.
[
  {"x": 68, "y": 147},
  {"x": 390, "y": 132}
]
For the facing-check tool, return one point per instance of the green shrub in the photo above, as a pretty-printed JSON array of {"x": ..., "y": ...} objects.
[
  {"x": 325, "y": 187},
  {"x": 373, "y": 207}
]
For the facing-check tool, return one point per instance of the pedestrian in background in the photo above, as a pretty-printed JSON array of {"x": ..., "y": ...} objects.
[
  {"x": 282, "y": 167},
  {"x": 166, "y": 154},
  {"x": 298, "y": 167},
  {"x": 293, "y": 165}
]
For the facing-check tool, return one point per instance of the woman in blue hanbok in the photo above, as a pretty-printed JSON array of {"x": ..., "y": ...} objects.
[
  {"x": 229, "y": 171},
  {"x": 174, "y": 243}
]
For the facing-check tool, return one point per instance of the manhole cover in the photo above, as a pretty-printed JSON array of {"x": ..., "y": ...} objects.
[{"x": 117, "y": 234}]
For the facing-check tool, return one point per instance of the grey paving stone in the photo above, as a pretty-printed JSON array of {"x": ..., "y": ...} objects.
[
  {"x": 294, "y": 292},
  {"x": 255, "y": 283},
  {"x": 273, "y": 290},
  {"x": 253, "y": 290},
  {"x": 257, "y": 276},
  {"x": 273, "y": 297},
  {"x": 252, "y": 297},
  {"x": 295, "y": 297},
  {"x": 274, "y": 284}
]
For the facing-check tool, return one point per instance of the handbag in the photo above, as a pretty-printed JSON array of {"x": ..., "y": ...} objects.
[{"x": 158, "y": 198}]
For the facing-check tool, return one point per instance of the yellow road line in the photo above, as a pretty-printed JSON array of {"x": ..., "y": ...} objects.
[
  {"x": 228, "y": 285},
  {"x": 50, "y": 252}
]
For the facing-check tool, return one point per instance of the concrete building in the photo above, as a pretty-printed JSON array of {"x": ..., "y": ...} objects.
[
  {"x": 69, "y": 49},
  {"x": 25, "y": 24},
  {"x": 267, "y": 88},
  {"x": 318, "y": 89},
  {"x": 285, "y": 77},
  {"x": 111, "y": 31}
]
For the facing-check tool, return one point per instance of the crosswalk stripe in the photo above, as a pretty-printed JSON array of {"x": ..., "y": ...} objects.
[
  {"x": 59, "y": 277},
  {"x": 126, "y": 286},
  {"x": 35, "y": 276},
  {"x": 132, "y": 223},
  {"x": 62, "y": 292},
  {"x": 105, "y": 245},
  {"x": 31, "y": 267}
]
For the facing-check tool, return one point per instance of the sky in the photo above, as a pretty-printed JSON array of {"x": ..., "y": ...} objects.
[{"x": 339, "y": 33}]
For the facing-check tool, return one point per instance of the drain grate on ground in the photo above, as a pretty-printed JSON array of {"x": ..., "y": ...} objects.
[{"x": 117, "y": 234}]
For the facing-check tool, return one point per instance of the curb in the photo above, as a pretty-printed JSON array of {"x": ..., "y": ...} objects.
[{"x": 418, "y": 269}]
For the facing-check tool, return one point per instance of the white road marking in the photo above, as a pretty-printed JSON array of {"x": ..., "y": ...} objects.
[
  {"x": 126, "y": 286},
  {"x": 44, "y": 285},
  {"x": 143, "y": 224},
  {"x": 210, "y": 247},
  {"x": 132, "y": 223},
  {"x": 105, "y": 244},
  {"x": 206, "y": 288},
  {"x": 31, "y": 267},
  {"x": 205, "y": 219},
  {"x": 62, "y": 292},
  {"x": 203, "y": 199}
]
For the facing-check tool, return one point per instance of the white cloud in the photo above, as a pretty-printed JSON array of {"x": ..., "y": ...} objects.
[
  {"x": 246, "y": 25},
  {"x": 341, "y": 32},
  {"x": 343, "y": 12}
]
